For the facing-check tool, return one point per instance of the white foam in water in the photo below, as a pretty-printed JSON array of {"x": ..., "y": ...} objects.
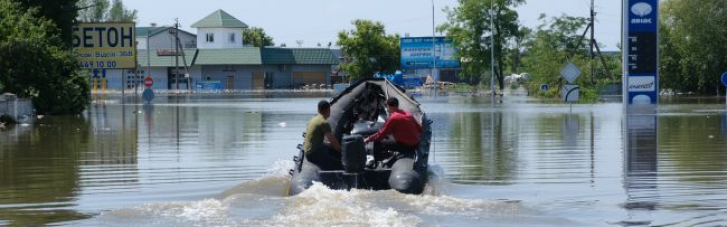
[
  {"x": 280, "y": 168},
  {"x": 208, "y": 212},
  {"x": 321, "y": 206},
  {"x": 262, "y": 202}
]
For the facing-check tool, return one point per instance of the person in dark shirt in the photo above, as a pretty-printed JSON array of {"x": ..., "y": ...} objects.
[
  {"x": 402, "y": 126},
  {"x": 327, "y": 157}
]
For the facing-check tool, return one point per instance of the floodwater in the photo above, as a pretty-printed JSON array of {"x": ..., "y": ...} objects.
[{"x": 223, "y": 161}]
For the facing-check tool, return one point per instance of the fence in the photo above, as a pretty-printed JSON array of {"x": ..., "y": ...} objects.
[{"x": 20, "y": 109}]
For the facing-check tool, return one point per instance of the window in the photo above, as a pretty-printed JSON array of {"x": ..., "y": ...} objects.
[
  {"x": 210, "y": 37},
  {"x": 232, "y": 37}
]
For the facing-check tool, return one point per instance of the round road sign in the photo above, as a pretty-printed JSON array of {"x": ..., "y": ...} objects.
[
  {"x": 148, "y": 82},
  {"x": 724, "y": 79}
]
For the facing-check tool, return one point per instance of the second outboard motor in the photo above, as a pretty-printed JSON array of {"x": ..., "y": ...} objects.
[{"x": 353, "y": 154}]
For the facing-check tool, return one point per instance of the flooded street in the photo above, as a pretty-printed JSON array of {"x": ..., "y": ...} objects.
[{"x": 224, "y": 161}]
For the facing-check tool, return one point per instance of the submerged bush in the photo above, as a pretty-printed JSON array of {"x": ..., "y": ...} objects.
[{"x": 33, "y": 65}]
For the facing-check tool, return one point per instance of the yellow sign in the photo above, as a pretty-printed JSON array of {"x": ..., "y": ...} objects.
[{"x": 105, "y": 45}]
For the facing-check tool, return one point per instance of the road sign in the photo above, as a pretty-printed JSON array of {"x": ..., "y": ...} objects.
[
  {"x": 148, "y": 82},
  {"x": 724, "y": 79},
  {"x": 570, "y": 72},
  {"x": 569, "y": 93},
  {"x": 147, "y": 95},
  {"x": 544, "y": 87}
]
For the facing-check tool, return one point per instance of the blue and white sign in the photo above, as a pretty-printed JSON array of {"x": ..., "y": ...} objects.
[
  {"x": 641, "y": 56},
  {"x": 416, "y": 53},
  {"x": 724, "y": 78}
]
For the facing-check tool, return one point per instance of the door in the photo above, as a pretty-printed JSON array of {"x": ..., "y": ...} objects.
[
  {"x": 258, "y": 81},
  {"x": 230, "y": 83},
  {"x": 309, "y": 78}
]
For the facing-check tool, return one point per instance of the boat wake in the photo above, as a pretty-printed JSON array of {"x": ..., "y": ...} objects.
[{"x": 263, "y": 202}]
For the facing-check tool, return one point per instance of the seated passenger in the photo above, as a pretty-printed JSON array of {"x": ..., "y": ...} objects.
[
  {"x": 316, "y": 151},
  {"x": 402, "y": 126}
]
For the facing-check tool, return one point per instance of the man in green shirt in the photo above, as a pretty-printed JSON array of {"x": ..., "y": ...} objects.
[{"x": 316, "y": 151}]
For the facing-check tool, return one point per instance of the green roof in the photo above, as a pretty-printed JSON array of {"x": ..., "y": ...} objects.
[
  {"x": 236, "y": 56},
  {"x": 219, "y": 19},
  {"x": 165, "y": 61},
  {"x": 152, "y": 31},
  {"x": 298, "y": 56}
]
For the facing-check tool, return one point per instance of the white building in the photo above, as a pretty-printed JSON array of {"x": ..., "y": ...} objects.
[{"x": 219, "y": 30}]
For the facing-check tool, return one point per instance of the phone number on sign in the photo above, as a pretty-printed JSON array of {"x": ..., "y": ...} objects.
[{"x": 97, "y": 64}]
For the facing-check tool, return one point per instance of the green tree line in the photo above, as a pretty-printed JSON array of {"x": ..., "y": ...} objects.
[{"x": 692, "y": 47}]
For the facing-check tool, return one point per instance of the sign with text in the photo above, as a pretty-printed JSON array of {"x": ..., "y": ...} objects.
[
  {"x": 105, "y": 45},
  {"x": 641, "y": 74},
  {"x": 416, "y": 53}
]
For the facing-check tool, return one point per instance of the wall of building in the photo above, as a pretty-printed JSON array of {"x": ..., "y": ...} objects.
[
  {"x": 221, "y": 38},
  {"x": 114, "y": 77},
  {"x": 165, "y": 40},
  {"x": 242, "y": 74},
  {"x": 283, "y": 74}
]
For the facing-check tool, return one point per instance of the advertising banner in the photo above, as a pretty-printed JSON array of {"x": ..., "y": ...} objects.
[
  {"x": 105, "y": 45},
  {"x": 416, "y": 53},
  {"x": 641, "y": 59}
]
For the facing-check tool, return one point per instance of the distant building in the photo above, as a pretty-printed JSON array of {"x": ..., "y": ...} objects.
[
  {"x": 162, "y": 38},
  {"x": 219, "y": 30},
  {"x": 217, "y": 54}
]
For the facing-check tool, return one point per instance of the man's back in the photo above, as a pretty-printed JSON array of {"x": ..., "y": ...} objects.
[
  {"x": 314, "y": 134},
  {"x": 402, "y": 126},
  {"x": 405, "y": 128}
]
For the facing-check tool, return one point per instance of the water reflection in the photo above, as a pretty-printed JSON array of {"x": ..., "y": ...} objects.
[
  {"x": 641, "y": 145},
  {"x": 590, "y": 164},
  {"x": 46, "y": 166},
  {"x": 485, "y": 148}
]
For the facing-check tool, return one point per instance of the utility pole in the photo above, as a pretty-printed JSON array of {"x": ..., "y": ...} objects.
[
  {"x": 492, "y": 49},
  {"x": 176, "y": 52},
  {"x": 434, "y": 54},
  {"x": 148, "y": 57},
  {"x": 593, "y": 40}
]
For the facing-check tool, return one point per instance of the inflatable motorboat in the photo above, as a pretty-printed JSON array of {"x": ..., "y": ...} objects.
[{"x": 357, "y": 112}]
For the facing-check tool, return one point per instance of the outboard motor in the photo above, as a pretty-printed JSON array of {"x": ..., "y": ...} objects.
[
  {"x": 353, "y": 154},
  {"x": 366, "y": 128}
]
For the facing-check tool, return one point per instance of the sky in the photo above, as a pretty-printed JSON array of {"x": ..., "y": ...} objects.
[{"x": 319, "y": 21}]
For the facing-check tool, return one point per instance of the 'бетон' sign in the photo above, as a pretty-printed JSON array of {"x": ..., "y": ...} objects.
[{"x": 105, "y": 45}]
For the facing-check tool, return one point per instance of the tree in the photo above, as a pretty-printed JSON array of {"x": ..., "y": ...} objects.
[
  {"x": 60, "y": 12},
  {"x": 469, "y": 27},
  {"x": 554, "y": 43},
  {"x": 523, "y": 35},
  {"x": 104, "y": 10},
  {"x": 693, "y": 34},
  {"x": 369, "y": 50},
  {"x": 257, "y": 37},
  {"x": 34, "y": 64},
  {"x": 119, "y": 13}
]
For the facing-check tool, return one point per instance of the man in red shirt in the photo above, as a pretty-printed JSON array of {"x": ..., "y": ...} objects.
[{"x": 404, "y": 128}]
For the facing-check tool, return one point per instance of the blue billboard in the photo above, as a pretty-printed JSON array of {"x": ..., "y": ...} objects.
[
  {"x": 641, "y": 56},
  {"x": 416, "y": 53}
]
